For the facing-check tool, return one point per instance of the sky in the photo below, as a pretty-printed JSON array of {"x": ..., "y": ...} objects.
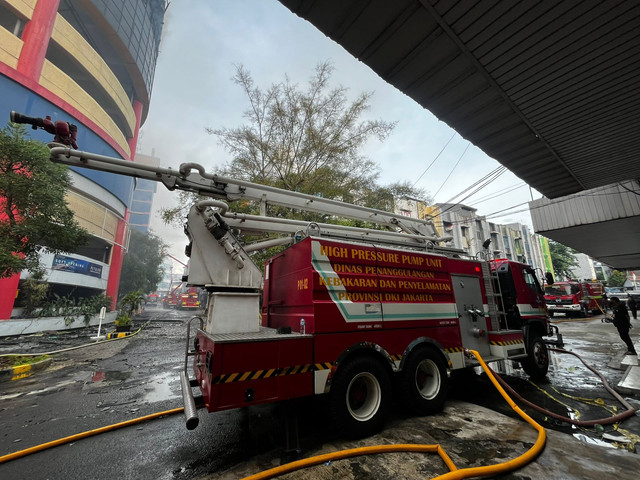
[{"x": 201, "y": 46}]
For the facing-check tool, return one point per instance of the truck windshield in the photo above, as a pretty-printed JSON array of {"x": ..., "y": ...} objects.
[{"x": 557, "y": 290}]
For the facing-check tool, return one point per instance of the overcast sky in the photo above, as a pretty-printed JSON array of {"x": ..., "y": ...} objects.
[{"x": 201, "y": 44}]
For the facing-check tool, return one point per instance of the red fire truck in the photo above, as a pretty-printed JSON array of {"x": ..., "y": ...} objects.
[
  {"x": 171, "y": 298},
  {"x": 573, "y": 297},
  {"x": 343, "y": 311},
  {"x": 188, "y": 298}
]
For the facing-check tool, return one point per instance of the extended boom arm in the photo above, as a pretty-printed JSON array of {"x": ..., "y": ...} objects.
[
  {"x": 192, "y": 177},
  {"x": 218, "y": 260}
]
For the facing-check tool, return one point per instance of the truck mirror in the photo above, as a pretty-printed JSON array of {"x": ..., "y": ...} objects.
[{"x": 549, "y": 277}]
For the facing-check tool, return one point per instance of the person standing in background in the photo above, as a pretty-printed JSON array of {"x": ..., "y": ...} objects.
[
  {"x": 633, "y": 306},
  {"x": 622, "y": 322}
]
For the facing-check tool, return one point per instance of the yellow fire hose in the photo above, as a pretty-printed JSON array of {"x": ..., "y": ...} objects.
[
  {"x": 454, "y": 473},
  {"x": 88, "y": 433}
]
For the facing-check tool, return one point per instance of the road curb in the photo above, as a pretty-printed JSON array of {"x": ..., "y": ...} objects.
[
  {"x": 119, "y": 335},
  {"x": 23, "y": 371}
]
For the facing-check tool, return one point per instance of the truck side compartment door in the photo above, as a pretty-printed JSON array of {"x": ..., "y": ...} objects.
[{"x": 470, "y": 308}]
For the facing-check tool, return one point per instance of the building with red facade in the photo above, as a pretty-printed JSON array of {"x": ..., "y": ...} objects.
[{"x": 91, "y": 63}]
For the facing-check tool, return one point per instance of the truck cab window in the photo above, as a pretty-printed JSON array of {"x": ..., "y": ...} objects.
[{"x": 531, "y": 281}]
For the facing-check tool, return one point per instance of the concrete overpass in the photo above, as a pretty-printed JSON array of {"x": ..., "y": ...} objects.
[{"x": 551, "y": 90}]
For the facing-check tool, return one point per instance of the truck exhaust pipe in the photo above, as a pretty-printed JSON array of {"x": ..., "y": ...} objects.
[{"x": 190, "y": 411}]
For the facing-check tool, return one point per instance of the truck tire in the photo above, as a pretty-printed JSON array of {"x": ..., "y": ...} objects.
[
  {"x": 584, "y": 312},
  {"x": 537, "y": 363},
  {"x": 359, "y": 397},
  {"x": 423, "y": 381}
]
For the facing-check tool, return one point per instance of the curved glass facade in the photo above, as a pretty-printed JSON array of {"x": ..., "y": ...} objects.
[
  {"x": 139, "y": 26},
  {"x": 91, "y": 63}
]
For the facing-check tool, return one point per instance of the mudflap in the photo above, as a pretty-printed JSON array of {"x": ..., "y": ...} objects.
[{"x": 555, "y": 332}]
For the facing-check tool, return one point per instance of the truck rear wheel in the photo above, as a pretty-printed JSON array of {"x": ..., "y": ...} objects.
[
  {"x": 537, "y": 363},
  {"x": 423, "y": 381},
  {"x": 359, "y": 397}
]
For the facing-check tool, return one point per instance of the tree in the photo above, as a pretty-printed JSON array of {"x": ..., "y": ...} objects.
[
  {"x": 141, "y": 265},
  {"x": 34, "y": 216},
  {"x": 617, "y": 279},
  {"x": 563, "y": 259},
  {"x": 386, "y": 197},
  {"x": 307, "y": 141}
]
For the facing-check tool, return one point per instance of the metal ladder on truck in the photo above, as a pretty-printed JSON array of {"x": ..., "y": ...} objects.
[{"x": 492, "y": 296}]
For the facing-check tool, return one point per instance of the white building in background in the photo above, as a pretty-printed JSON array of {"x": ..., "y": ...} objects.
[
  {"x": 585, "y": 269},
  {"x": 470, "y": 231}
]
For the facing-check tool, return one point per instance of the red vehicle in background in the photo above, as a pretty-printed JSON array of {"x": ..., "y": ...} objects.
[
  {"x": 188, "y": 298},
  {"x": 171, "y": 299},
  {"x": 153, "y": 298},
  {"x": 182, "y": 297},
  {"x": 573, "y": 297}
]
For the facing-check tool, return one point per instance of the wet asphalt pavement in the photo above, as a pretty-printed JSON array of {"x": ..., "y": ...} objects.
[{"x": 101, "y": 385}]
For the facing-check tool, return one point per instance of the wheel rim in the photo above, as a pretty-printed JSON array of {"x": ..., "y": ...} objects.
[
  {"x": 427, "y": 379},
  {"x": 363, "y": 396},
  {"x": 539, "y": 354}
]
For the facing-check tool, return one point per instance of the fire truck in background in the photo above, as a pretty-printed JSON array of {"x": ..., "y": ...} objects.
[
  {"x": 171, "y": 298},
  {"x": 182, "y": 297},
  {"x": 345, "y": 311},
  {"x": 574, "y": 297},
  {"x": 188, "y": 298}
]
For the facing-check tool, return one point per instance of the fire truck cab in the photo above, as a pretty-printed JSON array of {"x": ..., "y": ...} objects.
[{"x": 573, "y": 297}]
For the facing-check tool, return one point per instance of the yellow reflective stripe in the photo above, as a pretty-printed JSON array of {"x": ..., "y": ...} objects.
[
  {"x": 259, "y": 374},
  {"x": 231, "y": 378}
]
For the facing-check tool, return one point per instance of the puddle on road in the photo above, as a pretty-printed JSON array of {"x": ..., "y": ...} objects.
[
  {"x": 155, "y": 389},
  {"x": 158, "y": 388}
]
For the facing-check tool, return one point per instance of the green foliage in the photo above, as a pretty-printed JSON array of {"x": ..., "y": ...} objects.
[
  {"x": 18, "y": 360},
  {"x": 34, "y": 216},
  {"x": 617, "y": 279},
  {"x": 27, "y": 360},
  {"x": 122, "y": 320},
  {"x": 141, "y": 268},
  {"x": 563, "y": 260},
  {"x": 129, "y": 305},
  {"x": 70, "y": 308},
  {"x": 33, "y": 292},
  {"x": 385, "y": 197}
]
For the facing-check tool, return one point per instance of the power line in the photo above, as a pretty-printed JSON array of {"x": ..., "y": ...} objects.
[
  {"x": 477, "y": 182},
  {"x": 499, "y": 193},
  {"x": 434, "y": 160},
  {"x": 488, "y": 179},
  {"x": 451, "y": 172},
  {"x": 554, "y": 202},
  {"x": 483, "y": 182}
]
